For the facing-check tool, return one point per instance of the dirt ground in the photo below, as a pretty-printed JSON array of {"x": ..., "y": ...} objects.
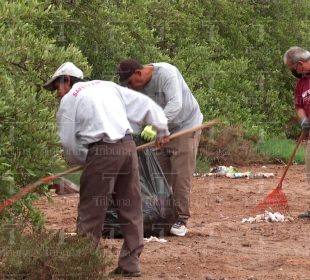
[{"x": 218, "y": 245}]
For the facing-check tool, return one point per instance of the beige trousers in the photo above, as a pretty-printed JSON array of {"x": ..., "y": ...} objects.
[{"x": 178, "y": 162}]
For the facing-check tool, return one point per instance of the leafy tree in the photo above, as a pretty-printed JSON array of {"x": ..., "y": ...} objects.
[
  {"x": 230, "y": 52},
  {"x": 27, "y": 113},
  {"x": 108, "y": 31}
]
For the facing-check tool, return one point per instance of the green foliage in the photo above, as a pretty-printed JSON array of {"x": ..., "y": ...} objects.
[
  {"x": 280, "y": 150},
  {"x": 230, "y": 52},
  {"x": 110, "y": 31},
  {"x": 27, "y": 113},
  {"x": 202, "y": 164},
  {"x": 49, "y": 255},
  {"x": 228, "y": 145}
]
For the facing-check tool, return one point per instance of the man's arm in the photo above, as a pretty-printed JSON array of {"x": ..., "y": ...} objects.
[
  {"x": 173, "y": 95},
  {"x": 74, "y": 151},
  {"x": 143, "y": 110},
  {"x": 304, "y": 121},
  {"x": 301, "y": 113}
]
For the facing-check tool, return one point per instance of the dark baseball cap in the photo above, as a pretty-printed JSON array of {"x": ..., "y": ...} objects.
[{"x": 126, "y": 68}]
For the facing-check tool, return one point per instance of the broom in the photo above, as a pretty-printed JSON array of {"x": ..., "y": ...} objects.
[
  {"x": 277, "y": 200},
  {"x": 32, "y": 187}
]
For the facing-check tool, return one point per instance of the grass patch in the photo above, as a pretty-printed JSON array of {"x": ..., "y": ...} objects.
[
  {"x": 280, "y": 150},
  {"x": 49, "y": 255},
  {"x": 202, "y": 164}
]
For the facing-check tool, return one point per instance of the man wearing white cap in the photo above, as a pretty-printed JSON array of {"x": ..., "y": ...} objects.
[{"x": 94, "y": 127}]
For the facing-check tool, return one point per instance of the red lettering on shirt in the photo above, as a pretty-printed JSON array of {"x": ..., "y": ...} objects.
[{"x": 80, "y": 88}]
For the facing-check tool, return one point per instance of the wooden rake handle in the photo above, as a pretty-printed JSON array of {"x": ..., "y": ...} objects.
[
  {"x": 30, "y": 188},
  {"x": 182, "y": 133},
  {"x": 301, "y": 137}
]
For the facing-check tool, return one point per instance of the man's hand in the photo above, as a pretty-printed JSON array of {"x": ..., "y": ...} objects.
[
  {"x": 148, "y": 134},
  {"x": 305, "y": 124}
]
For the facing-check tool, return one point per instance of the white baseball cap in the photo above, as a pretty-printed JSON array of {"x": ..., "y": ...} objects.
[{"x": 68, "y": 68}]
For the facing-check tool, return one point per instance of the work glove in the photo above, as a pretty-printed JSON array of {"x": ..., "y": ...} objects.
[
  {"x": 148, "y": 133},
  {"x": 305, "y": 124}
]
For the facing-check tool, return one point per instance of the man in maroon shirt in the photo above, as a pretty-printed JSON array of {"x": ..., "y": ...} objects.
[{"x": 298, "y": 61}]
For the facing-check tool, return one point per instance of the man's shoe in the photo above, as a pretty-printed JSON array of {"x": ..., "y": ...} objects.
[
  {"x": 179, "y": 228},
  {"x": 124, "y": 273},
  {"x": 305, "y": 215}
]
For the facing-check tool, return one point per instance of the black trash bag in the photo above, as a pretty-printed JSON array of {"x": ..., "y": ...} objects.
[{"x": 159, "y": 212}]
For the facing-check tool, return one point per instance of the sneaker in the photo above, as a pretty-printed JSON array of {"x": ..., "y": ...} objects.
[
  {"x": 124, "y": 273},
  {"x": 305, "y": 215},
  {"x": 179, "y": 228}
]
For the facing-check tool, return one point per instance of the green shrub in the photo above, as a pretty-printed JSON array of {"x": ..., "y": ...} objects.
[
  {"x": 228, "y": 145},
  {"x": 202, "y": 164},
  {"x": 27, "y": 112},
  {"x": 49, "y": 255}
]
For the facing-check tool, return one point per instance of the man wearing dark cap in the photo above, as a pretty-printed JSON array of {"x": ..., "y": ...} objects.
[
  {"x": 94, "y": 126},
  {"x": 165, "y": 85}
]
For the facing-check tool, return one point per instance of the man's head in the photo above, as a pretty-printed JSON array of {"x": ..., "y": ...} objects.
[
  {"x": 297, "y": 60},
  {"x": 133, "y": 74},
  {"x": 64, "y": 78}
]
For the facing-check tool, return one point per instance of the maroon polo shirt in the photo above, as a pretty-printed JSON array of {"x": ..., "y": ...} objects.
[{"x": 302, "y": 94}]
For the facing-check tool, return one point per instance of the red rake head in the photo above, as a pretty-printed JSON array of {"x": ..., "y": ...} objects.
[{"x": 276, "y": 201}]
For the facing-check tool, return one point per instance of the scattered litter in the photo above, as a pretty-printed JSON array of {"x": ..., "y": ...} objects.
[
  {"x": 250, "y": 220},
  {"x": 155, "y": 239},
  {"x": 274, "y": 217},
  {"x": 222, "y": 170},
  {"x": 235, "y": 175},
  {"x": 70, "y": 233},
  {"x": 267, "y": 217},
  {"x": 232, "y": 172}
]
